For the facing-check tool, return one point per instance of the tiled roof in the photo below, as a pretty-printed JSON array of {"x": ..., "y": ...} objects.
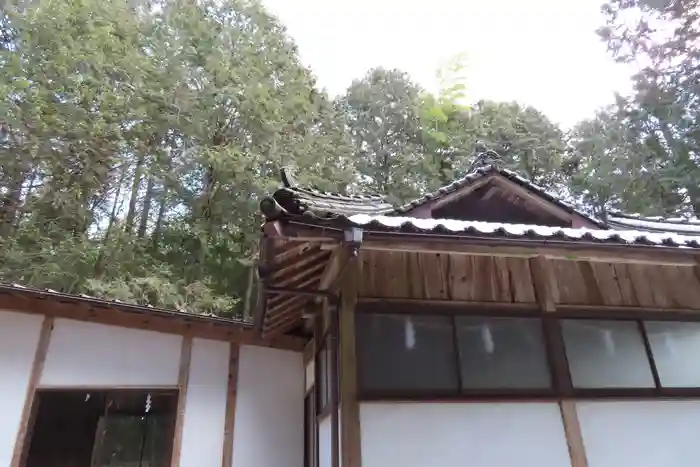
[
  {"x": 518, "y": 231},
  {"x": 482, "y": 171},
  {"x": 303, "y": 201},
  {"x": 679, "y": 225},
  {"x": 306, "y": 201},
  {"x": 18, "y": 289},
  {"x": 296, "y": 200}
]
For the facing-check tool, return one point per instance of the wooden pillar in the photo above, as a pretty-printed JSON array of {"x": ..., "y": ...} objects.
[
  {"x": 572, "y": 429},
  {"x": 230, "y": 418},
  {"x": 547, "y": 292},
  {"x": 183, "y": 379},
  {"x": 22, "y": 441},
  {"x": 351, "y": 449}
]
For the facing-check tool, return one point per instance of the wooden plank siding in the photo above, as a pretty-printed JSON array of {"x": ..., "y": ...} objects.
[{"x": 501, "y": 279}]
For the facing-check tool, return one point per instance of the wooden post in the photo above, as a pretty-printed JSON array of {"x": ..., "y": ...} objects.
[
  {"x": 545, "y": 283},
  {"x": 22, "y": 441},
  {"x": 351, "y": 449},
  {"x": 333, "y": 347},
  {"x": 183, "y": 379},
  {"x": 547, "y": 292},
  {"x": 230, "y": 420},
  {"x": 572, "y": 430}
]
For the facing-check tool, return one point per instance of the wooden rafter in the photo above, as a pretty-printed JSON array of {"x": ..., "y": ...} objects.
[{"x": 293, "y": 265}]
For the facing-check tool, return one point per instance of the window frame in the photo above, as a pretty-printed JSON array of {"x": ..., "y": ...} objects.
[
  {"x": 555, "y": 353},
  {"x": 324, "y": 375}
]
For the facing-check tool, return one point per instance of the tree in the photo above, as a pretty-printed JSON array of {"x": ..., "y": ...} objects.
[
  {"x": 138, "y": 138},
  {"x": 663, "y": 109},
  {"x": 527, "y": 140},
  {"x": 382, "y": 120},
  {"x": 445, "y": 119}
]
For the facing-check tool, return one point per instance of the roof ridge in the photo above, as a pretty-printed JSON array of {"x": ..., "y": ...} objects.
[
  {"x": 666, "y": 220},
  {"x": 483, "y": 169}
]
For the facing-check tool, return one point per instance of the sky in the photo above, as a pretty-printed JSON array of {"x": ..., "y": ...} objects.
[{"x": 543, "y": 53}]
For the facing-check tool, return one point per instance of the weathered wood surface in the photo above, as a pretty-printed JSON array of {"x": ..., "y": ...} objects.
[{"x": 428, "y": 276}]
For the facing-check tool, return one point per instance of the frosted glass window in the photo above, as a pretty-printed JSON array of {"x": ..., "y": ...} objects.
[
  {"x": 676, "y": 347},
  {"x": 606, "y": 354},
  {"x": 501, "y": 353},
  {"x": 406, "y": 352}
]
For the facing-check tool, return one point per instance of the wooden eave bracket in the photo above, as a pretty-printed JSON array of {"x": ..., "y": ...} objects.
[{"x": 333, "y": 272}]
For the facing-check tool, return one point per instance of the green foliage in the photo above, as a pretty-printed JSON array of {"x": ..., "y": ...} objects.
[
  {"x": 381, "y": 117},
  {"x": 645, "y": 148},
  {"x": 137, "y": 139}
]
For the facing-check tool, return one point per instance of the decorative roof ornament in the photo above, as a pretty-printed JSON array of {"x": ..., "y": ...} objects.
[{"x": 485, "y": 158}]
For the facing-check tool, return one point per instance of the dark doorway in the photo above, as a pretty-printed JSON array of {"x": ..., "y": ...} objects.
[{"x": 102, "y": 428}]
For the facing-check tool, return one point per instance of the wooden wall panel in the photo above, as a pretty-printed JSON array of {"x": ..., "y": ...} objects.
[
  {"x": 458, "y": 277},
  {"x": 627, "y": 285},
  {"x": 439, "y": 276}
]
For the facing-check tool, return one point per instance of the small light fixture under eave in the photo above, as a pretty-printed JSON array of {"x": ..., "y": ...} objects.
[{"x": 353, "y": 239}]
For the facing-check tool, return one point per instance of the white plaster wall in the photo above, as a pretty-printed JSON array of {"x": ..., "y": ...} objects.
[
  {"x": 641, "y": 433},
  {"x": 98, "y": 355},
  {"x": 463, "y": 434},
  {"x": 269, "y": 409},
  {"x": 325, "y": 442},
  {"x": 19, "y": 337},
  {"x": 205, "y": 405}
]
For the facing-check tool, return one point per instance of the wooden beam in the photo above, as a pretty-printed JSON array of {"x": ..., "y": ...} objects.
[
  {"x": 304, "y": 277},
  {"x": 572, "y": 430},
  {"x": 22, "y": 441},
  {"x": 182, "y": 382},
  {"x": 277, "y": 258},
  {"x": 333, "y": 269},
  {"x": 351, "y": 449},
  {"x": 230, "y": 418},
  {"x": 334, "y": 403},
  {"x": 547, "y": 292},
  {"x": 545, "y": 283},
  {"x": 398, "y": 305},
  {"x": 591, "y": 282},
  {"x": 500, "y": 247},
  {"x": 295, "y": 264}
]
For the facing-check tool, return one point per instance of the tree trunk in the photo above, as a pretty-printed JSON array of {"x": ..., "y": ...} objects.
[
  {"x": 10, "y": 203},
  {"x": 99, "y": 264},
  {"x": 146, "y": 211},
  {"x": 131, "y": 214},
  {"x": 155, "y": 237}
]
